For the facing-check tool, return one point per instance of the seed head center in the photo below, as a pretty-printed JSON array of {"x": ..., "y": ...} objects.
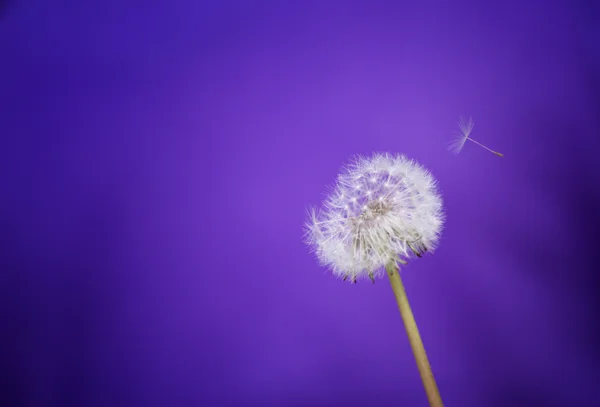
[{"x": 375, "y": 209}]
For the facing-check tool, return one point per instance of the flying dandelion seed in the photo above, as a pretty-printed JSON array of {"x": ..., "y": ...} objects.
[{"x": 466, "y": 127}]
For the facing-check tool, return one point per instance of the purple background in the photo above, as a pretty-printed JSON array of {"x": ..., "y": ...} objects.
[{"x": 157, "y": 159}]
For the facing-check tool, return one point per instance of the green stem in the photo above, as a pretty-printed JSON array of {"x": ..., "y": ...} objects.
[{"x": 431, "y": 389}]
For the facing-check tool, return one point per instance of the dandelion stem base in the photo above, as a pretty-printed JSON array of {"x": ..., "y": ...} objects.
[{"x": 431, "y": 389}]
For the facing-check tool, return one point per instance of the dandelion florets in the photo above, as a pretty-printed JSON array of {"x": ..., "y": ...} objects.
[{"x": 382, "y": 208}]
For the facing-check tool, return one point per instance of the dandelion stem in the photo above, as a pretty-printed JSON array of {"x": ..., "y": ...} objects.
[
  {"x": 433, "y": 394},
  {"x": 488, "y": 149}
]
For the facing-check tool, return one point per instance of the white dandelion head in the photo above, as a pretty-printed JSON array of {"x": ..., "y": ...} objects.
[
  {"x": 381, "y": 209},
  {"x": 465, "y": 127}
]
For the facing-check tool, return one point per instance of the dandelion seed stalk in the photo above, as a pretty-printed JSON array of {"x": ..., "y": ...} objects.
[
  {"x": 431, "y": 389},
  {"x": 488, "y": 149}
]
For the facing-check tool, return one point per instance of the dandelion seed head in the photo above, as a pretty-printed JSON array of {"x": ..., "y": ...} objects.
[{"x": 381, "y": 207}]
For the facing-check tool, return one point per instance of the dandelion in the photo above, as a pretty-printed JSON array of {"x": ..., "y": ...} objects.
[
  {"x": 466, "y": 127},
  {"x": 382, "y": 210}
]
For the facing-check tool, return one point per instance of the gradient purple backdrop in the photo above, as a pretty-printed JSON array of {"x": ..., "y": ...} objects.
[{"x": 158, "y": 158}]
